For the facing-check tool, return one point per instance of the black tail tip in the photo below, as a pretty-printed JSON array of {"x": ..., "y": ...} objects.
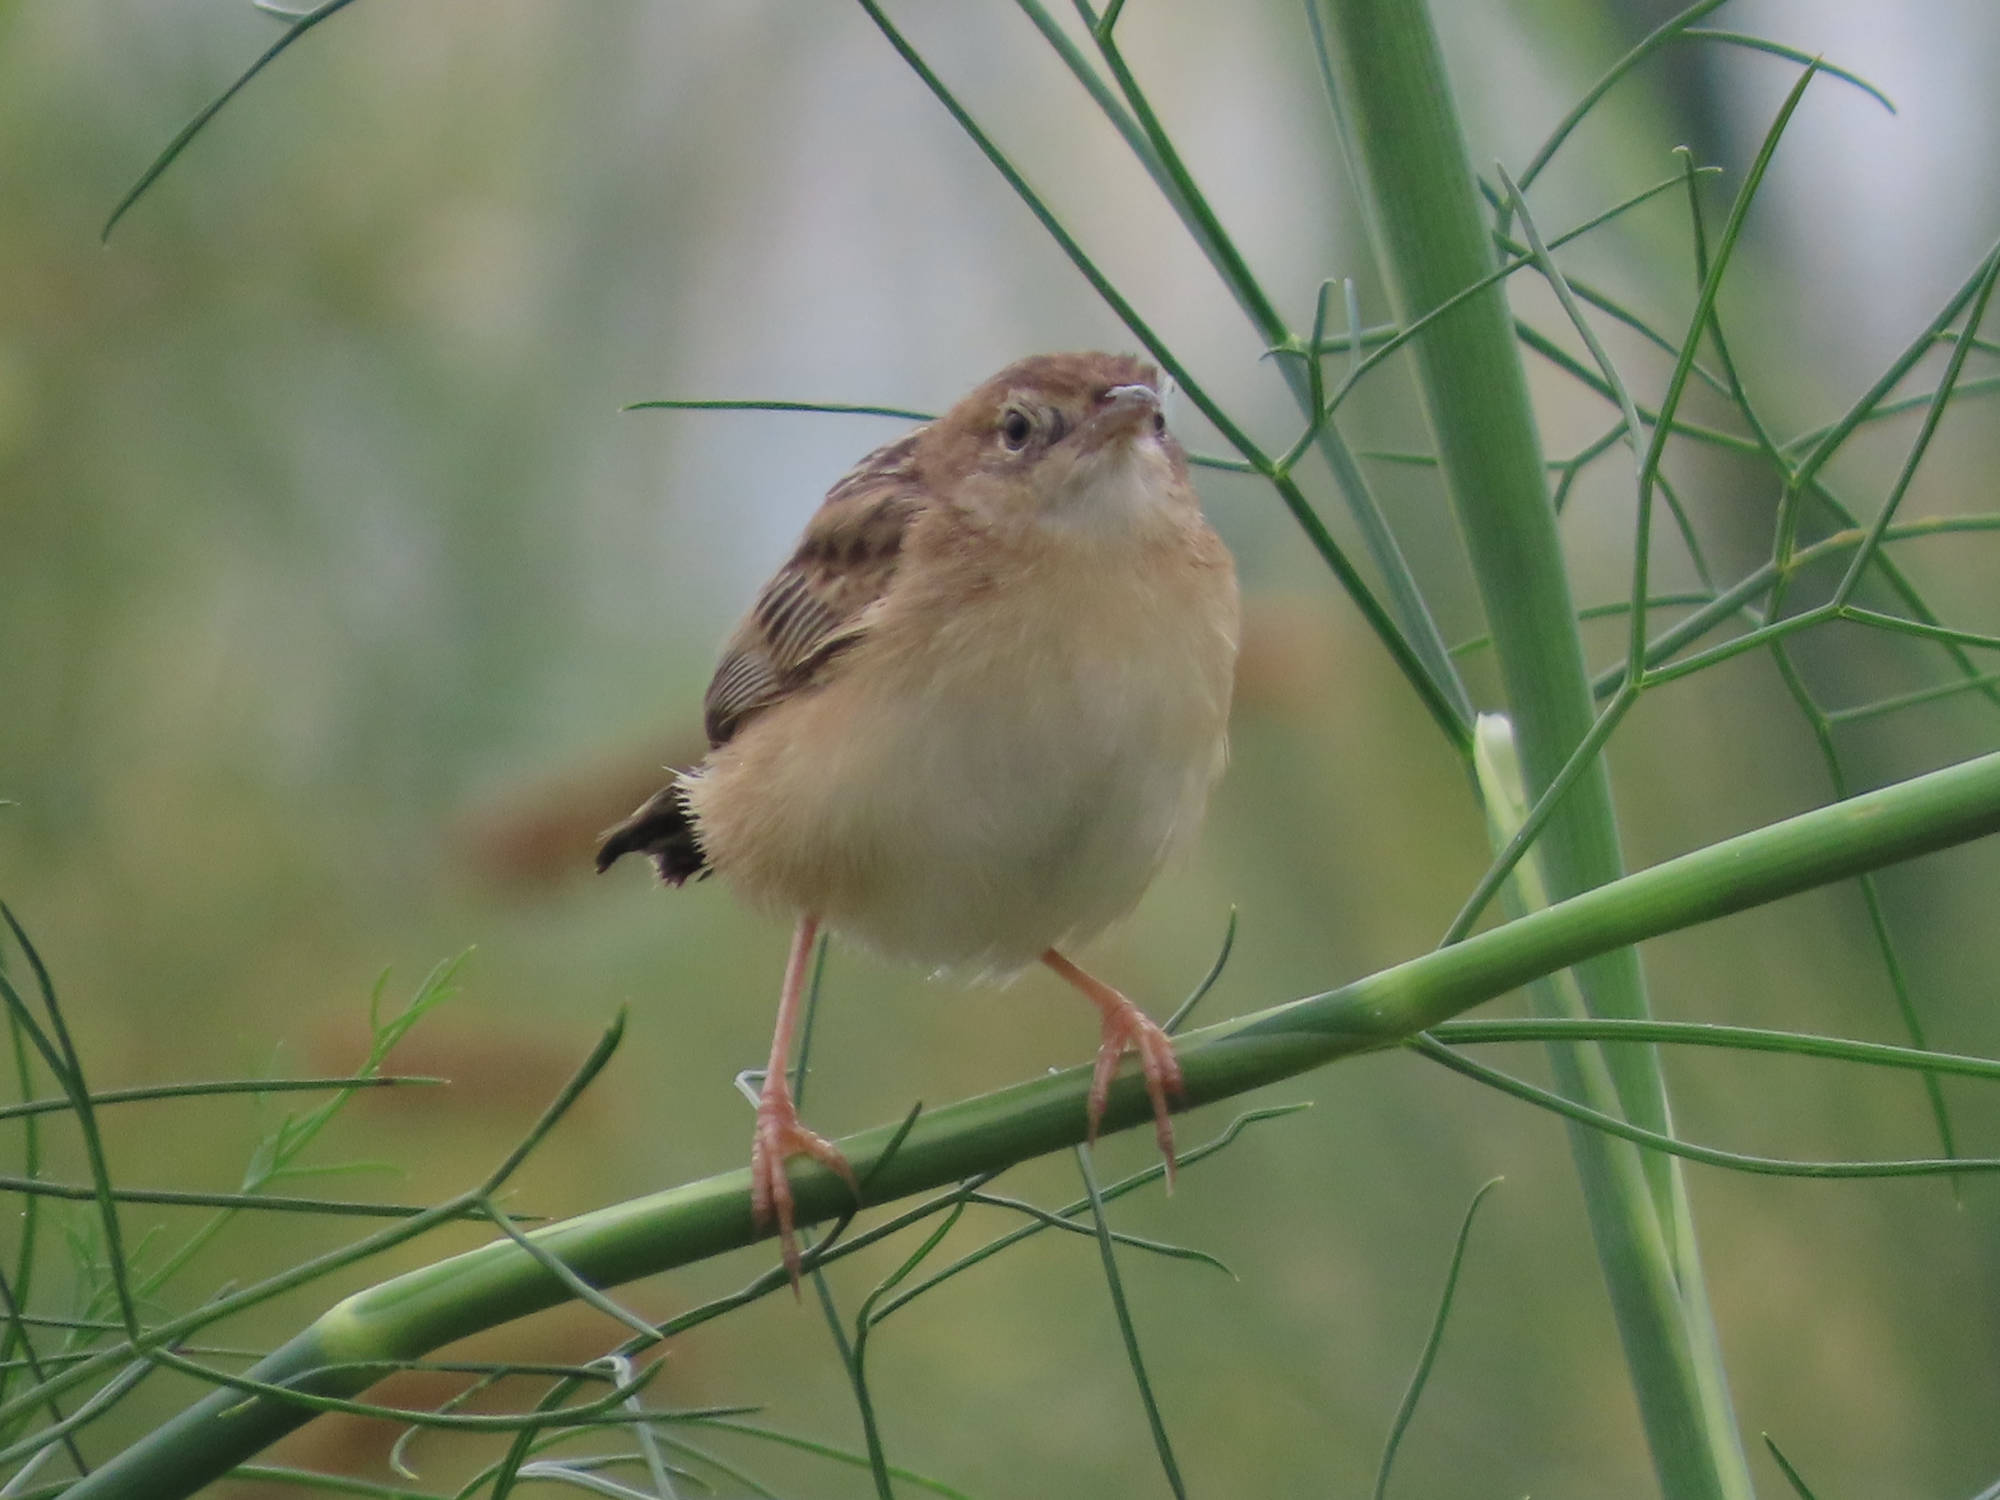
[{"x": 663, "y": 830}]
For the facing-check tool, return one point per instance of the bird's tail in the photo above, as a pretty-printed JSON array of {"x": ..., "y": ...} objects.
[{"x": 662, "y": 830}]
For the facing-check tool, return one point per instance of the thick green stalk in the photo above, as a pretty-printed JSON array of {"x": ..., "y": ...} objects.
[
  {"x": 421, "y": 1310},
  {"x": 1397, "y": 106}
]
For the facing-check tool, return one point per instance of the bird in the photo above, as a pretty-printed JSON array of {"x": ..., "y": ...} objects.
[{"x": 971, "y": 717}]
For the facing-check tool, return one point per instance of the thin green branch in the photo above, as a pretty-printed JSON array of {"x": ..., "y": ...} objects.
[
  {"x": 1789, "y": 54},
  {"x": 1735, "y": 1161},
  {"x": 1824, "y": 442},
  {"x": 1678, "y": 28},
  {"x": 580, "y": 1289},
  {"x": 79, "y": 1192},
  {"x": 148, "y": 1092},
  {"x": 1759, "y": 429},
  {"x": 721, "y": 1466},
  {"x": 595, "y": 1413},
  {"x": 1900, "y": 701},
  {"x": 18, "y": 1336},
  {"x": 1569, "y": 470},
  {"x": 1712, "y": 1034},
  {"x": 831, "y": 408},
  {"x": 1760, "y": 582},
  {"x": 1736, "y": 646},
  {"x": 32, "y": 1362},
  {"x": 331, "y": 1484},
  {"x": 184, "y": 137},
  {"x": 1420, "y": 1377},
  {"x": 1182, "y": 191},
  {"x": 1049, "y": 1220},
  {"x": 836, "y": 1455},
  {"x": 59, "y": 1052},
  {"x": 1684, "y": 524},
  {"x": 1665, "y": 32},
  {"x": 1635, "y": 432},
  {"x": 1520, "y": 257},
  {"x": 1897, "y": 625},
  {"x": 1878, "y": 919},
  {"x": 1933, "y": 414},
  {"x": 1791, "y": 1474},
  {"x": 1898, "y": 582},
  {"x": 1069, "y": 1211},
  {"x": 1617, "y": 310},
  {"x": 1535, "y": 340},
  {"x": 38, "y": 1449},
  {"x": 1704, "y": 313},
  {"x": 1610, "y": 609},
  {"x": 1208, "y": 981},
  {"x": 1128, "y": 1333}
]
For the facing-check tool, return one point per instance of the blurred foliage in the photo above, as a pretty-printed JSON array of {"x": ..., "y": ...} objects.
[{"x": 341, "y": 605}]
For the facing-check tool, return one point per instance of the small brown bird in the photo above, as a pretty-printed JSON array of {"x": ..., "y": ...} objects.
[{"x": 971, "y": 717}]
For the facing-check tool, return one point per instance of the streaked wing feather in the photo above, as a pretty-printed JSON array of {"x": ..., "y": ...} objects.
[{"x": 816, "y": 604}]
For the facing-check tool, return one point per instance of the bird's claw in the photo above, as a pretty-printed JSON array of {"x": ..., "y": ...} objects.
[
  {"x": 1126, "y": 1027},
  {"x": 780, "y": 1136}
]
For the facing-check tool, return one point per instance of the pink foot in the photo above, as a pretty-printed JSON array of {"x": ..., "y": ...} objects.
[
  {"x": 779, "y": 1136},
  {"x": 1128, "y": 1028}
]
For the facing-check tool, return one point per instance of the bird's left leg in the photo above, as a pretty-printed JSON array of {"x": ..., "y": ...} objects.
[
  {"x": 1126, "y": 1026},
  {"x": 779, "y": 1132}
]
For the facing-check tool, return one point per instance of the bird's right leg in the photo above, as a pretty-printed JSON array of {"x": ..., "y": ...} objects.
[
  {"x": 779, "y": 1133},
  {"x": 1126, "y": 1028}
]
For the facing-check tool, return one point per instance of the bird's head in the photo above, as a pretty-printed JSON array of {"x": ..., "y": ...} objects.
[{"x": 1074, "y": 441}]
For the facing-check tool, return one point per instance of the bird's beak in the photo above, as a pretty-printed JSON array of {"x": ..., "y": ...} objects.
[
  {"x": 1134, "y": 397},
  {"x": 1125, "y": 409}
]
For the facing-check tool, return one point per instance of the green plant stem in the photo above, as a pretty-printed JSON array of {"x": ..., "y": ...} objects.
[
  {"x": 1397, "y": 105},
  {"x": 404, "y": 1317}
]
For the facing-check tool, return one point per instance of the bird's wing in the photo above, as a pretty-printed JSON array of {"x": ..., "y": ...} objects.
[{"x": 817, "y": 604}]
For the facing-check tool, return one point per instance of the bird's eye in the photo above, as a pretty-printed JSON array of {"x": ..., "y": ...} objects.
[
  {"x": 1015, "y": 429},
  {"x": 1159, "y": 423}
]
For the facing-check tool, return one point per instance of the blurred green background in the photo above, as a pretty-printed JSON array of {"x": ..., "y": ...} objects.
[{"x": 341, "y": 606}]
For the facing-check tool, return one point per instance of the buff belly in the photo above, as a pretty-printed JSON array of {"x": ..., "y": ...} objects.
[{"x": 991, "y": 800}]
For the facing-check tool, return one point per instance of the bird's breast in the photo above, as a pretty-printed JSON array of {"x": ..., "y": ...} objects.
[{"x": 980, "y": 782}]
